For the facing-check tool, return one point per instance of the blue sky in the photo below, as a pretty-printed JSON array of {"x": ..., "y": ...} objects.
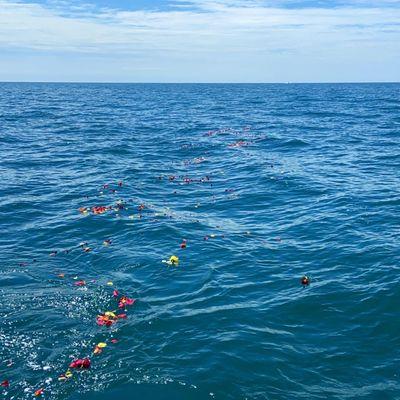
[{"x": 200, "y": 40}]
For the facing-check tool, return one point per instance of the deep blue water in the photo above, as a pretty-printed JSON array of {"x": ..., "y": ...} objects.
[{"x": 265, "y": 182}]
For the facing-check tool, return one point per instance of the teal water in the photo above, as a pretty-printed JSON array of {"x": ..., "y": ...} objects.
[{"x": 265, "y": 182}]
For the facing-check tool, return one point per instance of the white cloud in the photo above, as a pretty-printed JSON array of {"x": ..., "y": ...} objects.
[{"x": 223, "y": 30}]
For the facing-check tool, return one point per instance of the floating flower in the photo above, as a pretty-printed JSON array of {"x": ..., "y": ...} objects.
[
  {"x": 110, "y": 314},
  {"x": 114, "y": 341},
  {"x": 174, "y": 260},
  {"x": 183, "y": 244},
  {"x": 305, "y": 280},
  {"x": 38, "y": 392},
  {"x": 109, "y": 283},
  {"x": 125, "y": 301},
  {"x": 5, "y": 383},
  {"x": 80, "y": 283},
  {"x": 239, "y": 143},
  {"x": 99, "y": 209},
  {"x": 80, "y": 363},
  {"x": 107, "y": 242},
  {"x": 102, "y": 320},
  {"x": 107, "y": 319},
  {"x": 115, "y": 293},
  {"x": 65, "y": 376},
  {"x": 99, "y": 347},
  {"x": 83, "y": 210},
  {"x": 68, "y": 374}
]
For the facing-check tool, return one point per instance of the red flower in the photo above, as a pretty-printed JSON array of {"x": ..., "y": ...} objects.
[
  {"x": 5, "y": 383},
  {"x": 305, "y": 280},
  {"x": 104, "y": 320},
  {"x": 80, "y": 283},
  {"x": 125, "y": 301},
  {"x": 99, "y": 209},
  {"x": 81, "y": 363}
]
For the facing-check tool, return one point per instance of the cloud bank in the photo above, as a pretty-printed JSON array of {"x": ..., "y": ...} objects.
[{"x": 201, "y": 40}]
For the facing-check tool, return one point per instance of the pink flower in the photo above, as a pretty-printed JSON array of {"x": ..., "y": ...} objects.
[{"x": 82, "y": 363}]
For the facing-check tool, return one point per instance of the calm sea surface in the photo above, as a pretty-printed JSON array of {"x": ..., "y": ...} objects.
[{"x": 266, "y": 183}]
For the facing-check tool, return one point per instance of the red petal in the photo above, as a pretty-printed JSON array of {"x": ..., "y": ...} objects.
[{"x": 129, "y": 302}]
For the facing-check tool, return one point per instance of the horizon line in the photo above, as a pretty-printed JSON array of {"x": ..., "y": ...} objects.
[{"x": 205, "y": 83}]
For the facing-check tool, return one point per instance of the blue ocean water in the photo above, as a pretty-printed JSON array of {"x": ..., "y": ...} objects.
[{"x": 266, "y": 183}]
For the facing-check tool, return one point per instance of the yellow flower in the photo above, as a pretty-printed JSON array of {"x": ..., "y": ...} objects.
[
  {"x": 110, "y": 314},
  {"x": 174, "y": 260}
]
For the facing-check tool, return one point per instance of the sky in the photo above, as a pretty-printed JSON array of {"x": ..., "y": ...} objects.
[{"x": 200, "y": 40}]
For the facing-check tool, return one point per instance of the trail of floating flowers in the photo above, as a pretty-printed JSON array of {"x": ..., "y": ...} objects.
[{"x": 109, "y": 318}]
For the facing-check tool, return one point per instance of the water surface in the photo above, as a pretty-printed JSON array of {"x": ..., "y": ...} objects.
[{"x": 265, "y": 182}]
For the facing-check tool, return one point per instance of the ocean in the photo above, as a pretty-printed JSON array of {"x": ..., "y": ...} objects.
[{"x": 252, "y": 187}]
